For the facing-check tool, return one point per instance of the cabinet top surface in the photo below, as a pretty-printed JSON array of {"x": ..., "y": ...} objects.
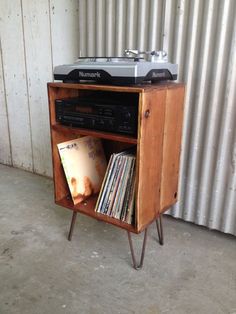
[{"x": 132, "y": 89}]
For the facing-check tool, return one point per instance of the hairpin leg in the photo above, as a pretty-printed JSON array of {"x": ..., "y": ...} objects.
[
  {"x": 132, "y": 250},
  {"x": 72, "y": 224},
  {"x": 160, "y": 229}
]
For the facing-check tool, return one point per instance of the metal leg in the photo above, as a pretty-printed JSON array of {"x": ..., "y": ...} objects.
[
  {"x": 137, "y": 267},
  {"x": 160, "y": 230},
  {"x": 72, "y": 225}
]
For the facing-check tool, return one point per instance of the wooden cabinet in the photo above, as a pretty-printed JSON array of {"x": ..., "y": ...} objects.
[{"x": 158, "y": 140}]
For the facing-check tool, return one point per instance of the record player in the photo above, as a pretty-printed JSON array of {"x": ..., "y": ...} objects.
[{"x": 135, "y": 67}]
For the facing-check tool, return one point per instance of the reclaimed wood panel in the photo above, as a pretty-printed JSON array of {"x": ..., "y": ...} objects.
[
  {"x": 149, "y": 161},
  {"x": 15, "y": 77},
  {"x": 171, "y": 147},
  {"x": 36, "y": 22},
  {"x": 5, "y": 149},
  {"x": 64, "y": 31},
  {"x": 33, "y": 40}
]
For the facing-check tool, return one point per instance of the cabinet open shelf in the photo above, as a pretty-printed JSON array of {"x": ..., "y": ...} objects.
[
  {"x": 103, "y": 135},
  {"x": 87, "y": 208}
]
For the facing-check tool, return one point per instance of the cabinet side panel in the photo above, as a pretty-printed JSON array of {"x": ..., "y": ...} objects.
[
  {"x": 171, "y": 146},
  {"x": 60, "y": 183},
  {"x": 152, "y": 115}
]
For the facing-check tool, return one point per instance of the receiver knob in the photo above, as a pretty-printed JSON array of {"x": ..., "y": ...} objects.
[{"x": 127, "y": 115}]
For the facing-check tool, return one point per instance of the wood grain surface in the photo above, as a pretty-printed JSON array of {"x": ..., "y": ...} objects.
[
  {"x": 149, "y": 159},
  {"x": 171, "y": 147},
  {"x": 158, "y": 148}
]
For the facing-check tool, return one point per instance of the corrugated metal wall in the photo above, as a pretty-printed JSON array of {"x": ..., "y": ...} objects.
[
  {"x": 199, "y": 35},
  {"x": 34, "y": 37}
]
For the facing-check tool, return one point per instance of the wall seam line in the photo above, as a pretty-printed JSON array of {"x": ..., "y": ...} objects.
[
  {"x": 50, "y": 34},
  {"x": 27, "y": 86},
  {"x": 5, "y": 97}
]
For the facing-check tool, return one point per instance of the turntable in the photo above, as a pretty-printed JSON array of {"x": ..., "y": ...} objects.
[{"x": 134, "y": 68}]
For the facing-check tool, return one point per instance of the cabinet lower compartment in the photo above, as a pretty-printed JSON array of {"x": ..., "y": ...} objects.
[
  {"x": 87, "y": 208},
  {"x": 62, "y": 193}
]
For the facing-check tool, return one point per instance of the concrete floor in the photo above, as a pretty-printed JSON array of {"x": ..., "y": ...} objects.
[{"x": 41, "y": 272}]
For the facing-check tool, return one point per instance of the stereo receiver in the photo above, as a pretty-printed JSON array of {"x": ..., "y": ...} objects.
[{"x": 99, "y": 113}]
